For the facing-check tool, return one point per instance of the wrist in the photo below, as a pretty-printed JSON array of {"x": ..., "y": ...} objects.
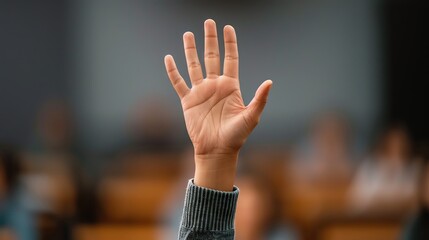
[{"x": 216, "y": 171}]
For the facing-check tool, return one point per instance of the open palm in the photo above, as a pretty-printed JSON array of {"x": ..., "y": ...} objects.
[{"x": 216, "y": 118}]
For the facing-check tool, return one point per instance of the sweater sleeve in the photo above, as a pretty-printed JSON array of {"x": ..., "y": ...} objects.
[{"x": 208, "y": 214}]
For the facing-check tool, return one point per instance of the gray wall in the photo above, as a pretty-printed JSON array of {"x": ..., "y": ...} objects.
[
  {"x": 33, "y": 63},
  {"x": 318, "y": 53}
]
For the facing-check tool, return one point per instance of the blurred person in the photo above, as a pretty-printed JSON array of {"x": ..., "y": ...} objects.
[
  {"x": 150, "y": 135},
  {"x": 54, "y": 129},
  {"x": 218, "y": 124},
  {"x": 388, "y": 180},
  {"x": 254, "y": 210},
  {"x": 327, "y": 155},
  {"x": 54, "y": 145},
  {"x": 16, "y": 220},
  {"x": 56, "y": 173},
  {"x": 256, "y": 213},
  {"x": 151, "y": 128}
]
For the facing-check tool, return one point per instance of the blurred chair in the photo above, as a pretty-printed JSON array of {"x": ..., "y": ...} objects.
[
  {"x": 307, "y": 206},
  {"x": 134, "y": 199},
  {"x": 137, "y": 188},
  {"x": 148, "y": 165}
]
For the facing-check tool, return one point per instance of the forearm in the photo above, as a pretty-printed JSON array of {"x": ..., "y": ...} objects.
[{"x": 208, "y": 214}]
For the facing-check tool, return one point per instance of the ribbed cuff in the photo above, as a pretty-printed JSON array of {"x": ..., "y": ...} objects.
[{"x": 209, "y": 210}]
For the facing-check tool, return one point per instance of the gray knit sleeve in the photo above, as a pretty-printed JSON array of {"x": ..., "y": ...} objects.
[{"x": 208, "y": 214}]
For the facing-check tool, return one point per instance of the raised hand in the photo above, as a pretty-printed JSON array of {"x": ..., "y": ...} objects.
[{"x": 216, "y": 118}]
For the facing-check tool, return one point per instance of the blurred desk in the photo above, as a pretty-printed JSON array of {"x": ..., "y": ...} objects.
[
  {"x": 361, "y": 229},
  {"x": 134, "y": 199},
  {"x": 118, "y": 232}
]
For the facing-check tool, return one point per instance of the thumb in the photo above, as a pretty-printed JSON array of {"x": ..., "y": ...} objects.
[{"x": 256, "y": 106}]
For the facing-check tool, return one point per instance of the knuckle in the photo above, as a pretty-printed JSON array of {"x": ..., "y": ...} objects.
[
  {"x": 210, "y": 55},
  {"x": 176, "y": 81},
  {"x": 231, "y": 57},
  {"x": 172, "y": 70},
  {"x": 193, "y": 65}
]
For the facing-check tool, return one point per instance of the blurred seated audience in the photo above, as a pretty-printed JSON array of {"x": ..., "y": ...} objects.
[
  {"x": 16, "y": 220},
  {"x": 319, "y": 174},
  {"x": 387, "y": 181},
  {"x": 326, "y": 157}
]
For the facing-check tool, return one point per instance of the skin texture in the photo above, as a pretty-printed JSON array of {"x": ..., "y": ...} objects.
[{"x": 217, "y": 120}]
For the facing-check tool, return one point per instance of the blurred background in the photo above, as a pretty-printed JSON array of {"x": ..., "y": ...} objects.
[{"x": 93, "y": 143}]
